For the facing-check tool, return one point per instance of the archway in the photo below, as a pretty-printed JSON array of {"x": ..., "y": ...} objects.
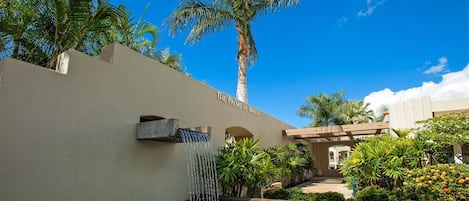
[{"x": 236, "y": 133}]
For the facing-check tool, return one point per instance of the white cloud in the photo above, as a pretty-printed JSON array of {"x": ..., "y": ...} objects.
[
  {"x": 341, "y": 21},
  {"x": 452, "y": 85},
  {"x": 371, "y": 6},
  {"x": 440, "y": 67}
]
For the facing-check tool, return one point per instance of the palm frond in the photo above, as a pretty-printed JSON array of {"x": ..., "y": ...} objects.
[{"x": 204, "y": 18}]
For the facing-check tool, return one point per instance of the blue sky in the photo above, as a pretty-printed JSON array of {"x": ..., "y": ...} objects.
[{"x": 382, "y": 51}]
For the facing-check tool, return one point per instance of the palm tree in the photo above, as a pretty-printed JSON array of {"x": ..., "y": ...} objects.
[
  {"x": 355, "y": 112},
  {"x": 56, "y": 26},
  {"x": 207, "y": 18},
  {"x": 323, "y": 109},
  {"x": 15, "y": 19},
  {"x": 143, "y": 37}
]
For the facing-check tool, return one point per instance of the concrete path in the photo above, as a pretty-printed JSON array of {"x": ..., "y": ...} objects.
[{"x": 326, "y": 184}]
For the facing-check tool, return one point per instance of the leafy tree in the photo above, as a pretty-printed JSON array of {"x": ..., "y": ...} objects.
[
  {"x": 323, "y": 109},
  {"x": 205, "y": 18},
  {"x": 440, "y": 133}
]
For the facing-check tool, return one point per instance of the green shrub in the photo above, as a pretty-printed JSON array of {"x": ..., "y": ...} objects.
[
  {"x": 331, "y": 196},
  {"x": 298, "y": 195},
  {"x": 282, "y": 194},
  {"x": 372, "y": 193}
]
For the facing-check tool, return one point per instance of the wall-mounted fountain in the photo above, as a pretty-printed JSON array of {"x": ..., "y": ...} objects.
[
  {"x": 166, "y": 130},
  {"x": 200, "y": 155}
]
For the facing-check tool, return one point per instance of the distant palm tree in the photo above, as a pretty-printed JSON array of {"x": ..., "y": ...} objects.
[
  {"x": 207, "y": 18},
  {"x": 323, "y": 109},
  {"x": 355, "y": 112}
]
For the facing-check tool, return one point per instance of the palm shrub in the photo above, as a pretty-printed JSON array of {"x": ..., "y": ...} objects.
[
  {"x": 294, "y": 162},
  {"x": 244, "y": 166},
  {"x": 382, "y": 161}
]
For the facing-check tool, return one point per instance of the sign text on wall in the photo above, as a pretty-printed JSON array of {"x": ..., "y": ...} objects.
[{"x": 236, "y": 103}]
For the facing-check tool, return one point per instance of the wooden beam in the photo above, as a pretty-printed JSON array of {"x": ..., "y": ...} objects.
[
  {"x": 370, "y": 127},
  {"x": 349, "y": 135}
]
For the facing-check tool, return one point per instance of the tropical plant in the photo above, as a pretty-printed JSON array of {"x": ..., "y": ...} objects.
[
  {"x": 133, "y": 35},
  {"x": 52, "y": 27},
  {"x": 37, "y": 31},
  {"x": 402, "y": 133},
  {"x": 244, "y": 165},
  {"x": 323, "y": 109},
  {"x": 15, "y": 17},
  {"x": 294, "y": 162},
  {"x": 382, "y": 161},
  {"x": 216, "y": 15},
  {"x": 142, "y": 37},
  {"x": 356, "y": 111}
]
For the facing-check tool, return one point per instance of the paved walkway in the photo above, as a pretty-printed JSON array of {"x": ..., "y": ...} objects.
[
  {"x": 326, "y": 184},
  {"x": 319, "y": 185}
]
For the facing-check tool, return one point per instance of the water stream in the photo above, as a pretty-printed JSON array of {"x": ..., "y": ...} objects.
[{"x": 201, "y": 166}]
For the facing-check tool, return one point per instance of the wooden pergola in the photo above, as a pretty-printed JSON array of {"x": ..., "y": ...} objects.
[{"x": 337, "y": 133}]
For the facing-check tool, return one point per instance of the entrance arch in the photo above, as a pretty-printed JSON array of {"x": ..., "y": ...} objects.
[{"x": 236, "y": 133}]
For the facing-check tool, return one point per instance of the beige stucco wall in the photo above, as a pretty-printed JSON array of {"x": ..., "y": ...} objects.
[
  {"x": 72, "y": 136},
  {"x": 320, "y": 151},
  {"x": 403, "y": 115}
]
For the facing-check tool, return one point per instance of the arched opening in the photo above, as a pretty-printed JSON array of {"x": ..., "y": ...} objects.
[
  {"x": 145, "y": 118},
  {"x": 236, "y": 133},
  {"x": 337, "y": 155}
]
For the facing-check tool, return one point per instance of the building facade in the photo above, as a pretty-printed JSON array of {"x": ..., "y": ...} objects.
[{"x": 70, "y": 134}]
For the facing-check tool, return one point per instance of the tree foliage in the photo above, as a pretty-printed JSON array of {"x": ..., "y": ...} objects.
[
  {"x": 334, "y": 109},
  {"x": 294, "y": 162},
  {"x": 243, "y": 165},
  {"x": 447, "y": 129},
  {"x": 37, "y": 31}
]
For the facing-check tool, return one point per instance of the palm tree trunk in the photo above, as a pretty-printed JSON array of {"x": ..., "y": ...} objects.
[{"x": 243, "y": 52}]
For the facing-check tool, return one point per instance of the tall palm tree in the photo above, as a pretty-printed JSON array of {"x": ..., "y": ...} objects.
[
  {"x": 210, "y": 17},
  {"x": 323, "y": 109}
]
